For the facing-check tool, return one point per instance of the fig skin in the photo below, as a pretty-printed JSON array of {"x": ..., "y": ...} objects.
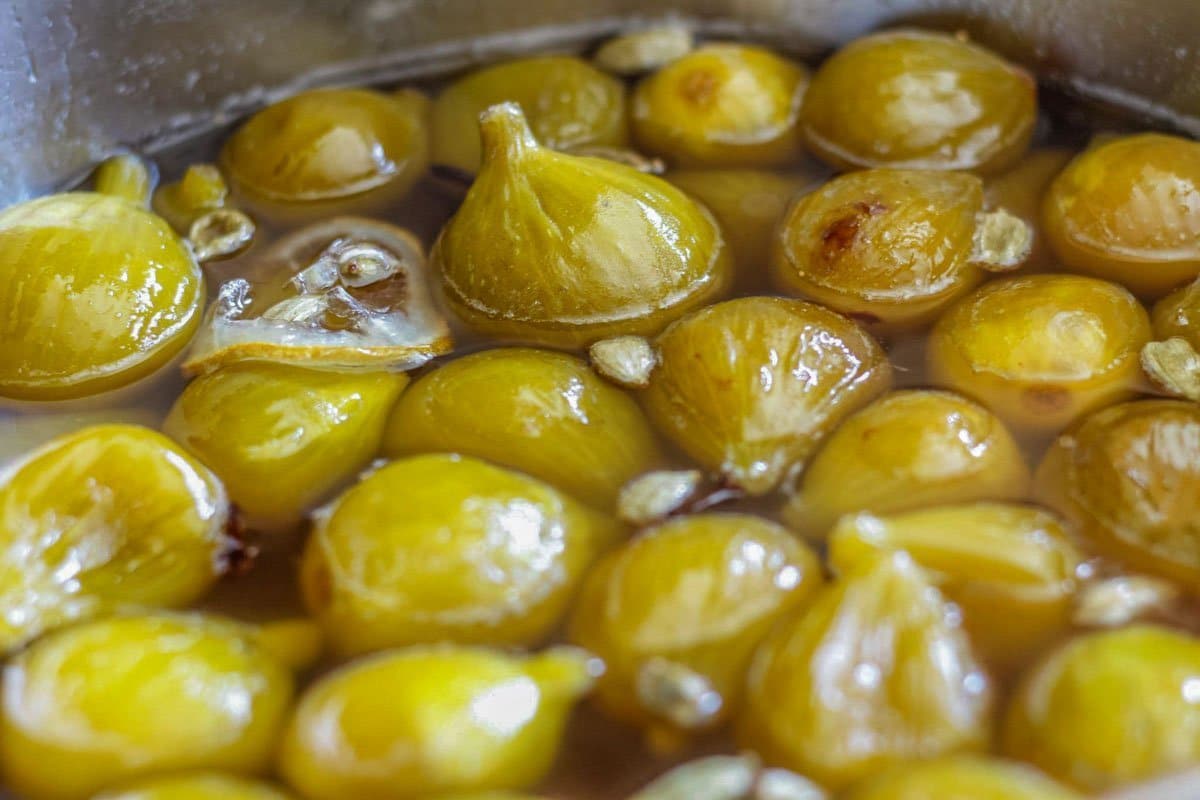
[
  {"x": 563, "y": 250},
  {"x": 1128, "y": 210},
  {"x": 569, "y": 104},
  {"x": 749, "y": 387}
]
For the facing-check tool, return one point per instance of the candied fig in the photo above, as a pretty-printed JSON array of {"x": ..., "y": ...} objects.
[
  {"x": 889, "y": 247},
  {"x": 919, "y": 100},
  {"x": 644, "y": 50},
  {"x": 125, "y": 176},
  {"x": 909, "y": 449},
  {"x": 199, "y": 191},
  {"x": 325, "y": 148},
  {"x": 877, "y": 672},
  {"x": 95, "y": 292},
  {"x": 1110, "y": 708},
  {"x": 105, "y": 517},
  {"x": 722, "y": 105},
  {"x": 676, "y": 614},
  {"x": 1041, "y": 350},
  {"x": 281, "y": 437},
  {"x": 344, "y": 294},
  {"x": 98, "y": 704},
  {"x": 1010, "y": 568},
  {"x": 447, "y": 548},
  {"x": 418, "y": 722},
  {"x": 548, "y": 415},
  {"x": 569, "y": 104},
  {"x": 964, "y": 777},
  {"x": 1128, "y": 210},
  {"x": 565, "y": 250},
  {"x": 1178, "y": 315},
  {"x": 750, "y": 386},
  {"x": 1128, "y": 477}
]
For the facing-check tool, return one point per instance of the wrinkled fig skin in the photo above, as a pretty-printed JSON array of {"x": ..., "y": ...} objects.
[
  {"x": 1111, "y": 708},
  {"x": 1011, "y": 569},
  {"x": 749, "y": 387},
  {"x": 875, "y": 673},
  {"x": 1041, "y": 350},
  {"x": 891, "y": 248},
  {"x": 85, "y": 709},
  {"x": 497, "y": 720},
  {"x": 919, "y": 100},
  {"x": 447, "y": 548},
  {"x": 548, "y": 416},
  {"x": 568, "y": 104},
  {"x": 565, "y": 250},
  {"x": 1128, "y": 210},
  {"x": 1128, "y": 478},
  {"x": 698, "y": 592},
  {"x": 329, "y": 150},
  {"x": 106, "y": 517},
  {"x": 283, "y": 438},
  {"x": 906, "y": 450},
  {"x": 95, "y": 292},
  {"x": 962, "y": 778},
  {"x": 722, "y": 105}
]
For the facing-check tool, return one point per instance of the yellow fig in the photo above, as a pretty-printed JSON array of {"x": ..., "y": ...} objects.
[
  {"x": 564, "y": 250},
  {"x": 875, "y": 673},
  {"x": 749, "y": 387},
  {"x": 95, "y": 292},
  {"x": 569, "y": 104}
]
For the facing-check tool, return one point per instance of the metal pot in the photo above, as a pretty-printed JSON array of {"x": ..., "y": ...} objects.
[{"x": 81, "y": 78}]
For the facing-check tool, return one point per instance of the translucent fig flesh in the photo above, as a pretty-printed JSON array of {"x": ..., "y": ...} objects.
[
  {"x": 876, "y": 673},
  {"x": 282, "y": 438},
  {"x": 1041, "y": 350},
  {"x": 345, "y": 294},
  {"x": 108, "y": 516},
  {"x": 566, "y": 250},
  {"x": 722, "y": 105},
  {"x": 1128, "y": 478},
  {"x": 95, "y": 292},
  {"x": 132, "y": 696},
  {"x": 1110, "y": 708},
  {"x": 315, "y": 152},
  {"x": 506, "y": 714},
  {"x": 1128, "y": 210},
  {"x": 749, "y": 387},
  {"x": 919, "y": 100},
  {"x": 908, "y": 449},
  {"x": 447, "y": 548},
  {"x": 892, "y": 248},
  {"x": 676, "y": 613},
  {"x": 569, "y": 103},
  {"x": 1011, "y": 569},
  {"x": 548, "y": 416}
]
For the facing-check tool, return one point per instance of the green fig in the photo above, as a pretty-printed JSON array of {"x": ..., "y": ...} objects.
[{"x": 564, "y": 250}]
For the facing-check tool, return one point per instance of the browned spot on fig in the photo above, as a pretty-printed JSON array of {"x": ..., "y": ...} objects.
[
  {"x": 1047, "y": 398},
  {"x": 839, "y": 235},
  {"x": 699, "y": 87},
  {"x": 237, "y": 556}
]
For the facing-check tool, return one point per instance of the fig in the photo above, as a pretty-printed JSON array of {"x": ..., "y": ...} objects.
[{"x": 564, "y": 250}]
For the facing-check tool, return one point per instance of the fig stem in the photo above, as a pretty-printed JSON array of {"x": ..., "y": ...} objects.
[{"x": 504, "y": 132}]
